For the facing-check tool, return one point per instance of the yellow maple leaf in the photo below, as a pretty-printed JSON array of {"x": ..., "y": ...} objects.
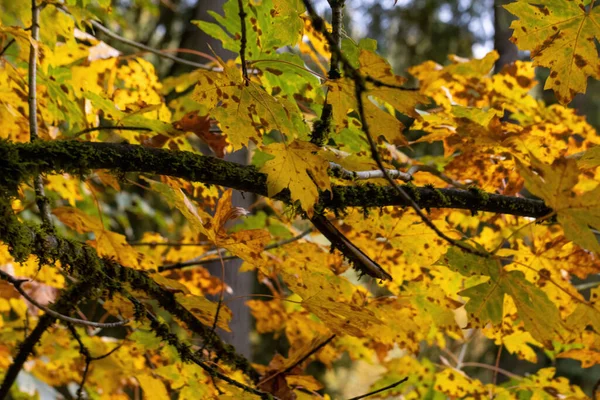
[
  {"x": 554, "y": 184},
  {"x": 153, "y": 387},
  {"x": 560, "y": 35},
  {"x": 299, "y": 168},
  {"x": 244, "y": 110}
]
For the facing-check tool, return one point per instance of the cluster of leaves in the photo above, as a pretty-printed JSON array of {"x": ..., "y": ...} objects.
[{"x": 515, "y": 287}]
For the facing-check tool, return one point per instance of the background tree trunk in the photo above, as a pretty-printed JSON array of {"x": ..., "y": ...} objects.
[{"x": 240, "y": 283}]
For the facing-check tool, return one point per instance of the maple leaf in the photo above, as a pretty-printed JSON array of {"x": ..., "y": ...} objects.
[
  {"x": 245, "y": 111},
  {"x": 555, "y": 185},
  {"x": 297, "y": 167},
  {"x": 560, "y": 35},
  {"x": 539, "y": 314}
]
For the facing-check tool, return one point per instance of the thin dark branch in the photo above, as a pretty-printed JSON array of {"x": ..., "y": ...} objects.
[
  {"x": 140, "y": 46},
  {"x": 227, "y": 258},
  {"x": 169, "y": 244},
  {"x": 17, "y": 283},
  {"x": 383, "y": 389},
  {"x": 85, "y": 352},
  {"x": 300, "y": 361},
  {"x": 243, "y": 41},
  {"x": 112, "y": 128},
  {"x": 10, "y": 43},
  {"x": 307, "y": 355},
  {"x": 360, "y": 261},
  {"x": 21, "y": 160}
]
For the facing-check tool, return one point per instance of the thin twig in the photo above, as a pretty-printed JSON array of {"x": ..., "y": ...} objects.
[
  {"x": 243, "y": 42},
  {"x": 492, "y": 368},
  {"x": 140, "y": 46},
  {"x": 300, "y": 361},
  {"x": 393, "y": 385},
  {"x": 498, "y": 355},
  {"x": 10, "y": 43},
  {"x": 360, "y": 175},
  {"x": 84, "y": 351},
  {"x": 310, "y": 353},
  {"x": 227, "y": 258},
  {"x": 169, "y": 244},
  {"x": 17, "y": 283},
  {"x": 219, "y": 305},
  {"x": 112, "y": 128}
]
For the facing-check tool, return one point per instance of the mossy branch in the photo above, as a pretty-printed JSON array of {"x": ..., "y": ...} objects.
[
  {"x": 19, "y": 162},
  {"x": 83, "y": 262}
]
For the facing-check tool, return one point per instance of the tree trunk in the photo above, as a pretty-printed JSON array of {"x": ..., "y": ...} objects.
[
  {"x": 502, "y": 33},
  {"x": 240, "y": 283}
]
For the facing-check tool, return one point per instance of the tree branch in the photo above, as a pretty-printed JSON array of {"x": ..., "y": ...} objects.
[
  {"x": 343, "y": 173},
  {"x": 143, "y": 47},
  {"x": 38, "y": 183},
  {"x": 83, "y": 261},
  {"x": 21, "y": 160},
  {"x": 337, "y": 16}
]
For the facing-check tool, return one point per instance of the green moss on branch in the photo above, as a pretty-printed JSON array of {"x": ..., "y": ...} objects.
[{"x": 18, "y": 162}]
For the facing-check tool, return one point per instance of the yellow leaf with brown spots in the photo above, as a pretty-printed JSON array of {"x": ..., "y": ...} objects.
[
  {"x": 561, "y": 36},
  {"x": 245, "y": 111},
  {"x": 297, "y": 167}
]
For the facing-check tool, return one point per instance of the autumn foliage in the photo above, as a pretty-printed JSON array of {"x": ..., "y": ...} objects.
[{"x": 114, "y": 194}]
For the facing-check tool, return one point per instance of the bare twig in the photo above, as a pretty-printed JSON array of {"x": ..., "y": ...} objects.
[
  {"x": 300, "y": 361},
  {"x": 140, "y": 46},
  {"x": 10, "y": 43},
  {"x": 243, "y": 42},
  {"x": 492, "y": 368},
  {"x": 111, "y": 128},
  {"x": 383, "y": 389},
  {"x": 360, "y": 175},
  {"x": 200, "y": 261},
  {"x": 85, "y": 352},
  {"x": 17, "y": 283}
]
